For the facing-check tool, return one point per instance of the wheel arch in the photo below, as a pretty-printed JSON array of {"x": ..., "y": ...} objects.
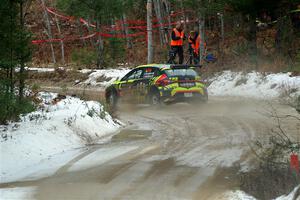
[{"x": 153, "y": 89}]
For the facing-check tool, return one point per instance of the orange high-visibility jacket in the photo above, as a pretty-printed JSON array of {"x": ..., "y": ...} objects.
[
  {"x": 177, "y": 34},
  {"x": 196, "y": 44}
]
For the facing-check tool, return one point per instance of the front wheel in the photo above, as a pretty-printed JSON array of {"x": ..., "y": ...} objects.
[{"x": 112, "y": 99}]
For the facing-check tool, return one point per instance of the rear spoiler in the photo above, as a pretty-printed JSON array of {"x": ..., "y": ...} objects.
[{"x": 184, "y": 66}]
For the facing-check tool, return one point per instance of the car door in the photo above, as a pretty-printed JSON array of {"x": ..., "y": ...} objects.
[
  {"x": 128, "y": 85},
  {"x": 143, "y": 84}
]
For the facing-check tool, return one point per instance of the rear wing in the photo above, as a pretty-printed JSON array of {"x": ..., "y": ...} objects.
[{"x": 178, "y": 66}]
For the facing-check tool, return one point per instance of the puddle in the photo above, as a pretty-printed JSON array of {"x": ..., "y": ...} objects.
[{"x": 129, "y": 134}]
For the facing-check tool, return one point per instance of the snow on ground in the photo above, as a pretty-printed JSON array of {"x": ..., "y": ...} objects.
[
  {"x": 235, "y": 195},
  {"x": 37, "y": 69},
  {"x": 70, "y": 123},
  {"x": 289, "y": 196},
  {"x": 253, "y": 84},
  {"x": 105, "y": 77},
  {"x": 240, "y": 195}
]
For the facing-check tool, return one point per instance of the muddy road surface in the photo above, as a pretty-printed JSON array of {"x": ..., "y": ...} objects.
[{"x": 180, "y": 151}]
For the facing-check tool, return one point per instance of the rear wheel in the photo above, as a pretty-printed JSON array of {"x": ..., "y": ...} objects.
[
  {"x": 200, "y": 100},
  {"x": 154, "y": 98},
  {"x": 205, "y": 96}
]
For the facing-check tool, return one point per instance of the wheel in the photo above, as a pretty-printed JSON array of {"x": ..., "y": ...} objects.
[
  {"x": 155, "y": 98},
  {"x": 201, "y": 100},
  {"x": 112, "y": 98},
  {"x": 205, "y": 97}
]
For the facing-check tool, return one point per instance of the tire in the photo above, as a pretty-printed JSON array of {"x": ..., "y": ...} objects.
[
  {"x": 112, "y": 99},
  {"x": 154, "y": 98},
  {"x": 205, "y": 97},
  {"x": 201, "y": 100}
]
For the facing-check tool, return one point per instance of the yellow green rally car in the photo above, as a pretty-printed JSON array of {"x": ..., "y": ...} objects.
[{"x": 158, "y": 83}]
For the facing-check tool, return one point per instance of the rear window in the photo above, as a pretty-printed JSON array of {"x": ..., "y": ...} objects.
[{"x": 181, "y": 72}]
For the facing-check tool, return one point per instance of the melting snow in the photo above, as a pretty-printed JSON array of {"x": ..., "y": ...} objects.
[
  {"x": 70, "y": 123},
  {"x": 253, "y": 84},
  {"x": 106, "y": 76}
]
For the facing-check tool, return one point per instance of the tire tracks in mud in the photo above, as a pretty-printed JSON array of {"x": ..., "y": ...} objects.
[{"x": 182, "y": 140}]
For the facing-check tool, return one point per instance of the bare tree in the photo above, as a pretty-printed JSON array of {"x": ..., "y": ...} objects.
[
  {"x": 99, "y": 45},
  {"x": 125, "y": 26},
  {"x": 48, "y": 29},
  {"x": 158, "y": 11},
  {"x": 149, "y": 31},
  {"x": 202, "y": 39},
  {"x": 80, "y": 32},
  {"x": 61, "y": 41},
  {"x": 166, "y": 15}
]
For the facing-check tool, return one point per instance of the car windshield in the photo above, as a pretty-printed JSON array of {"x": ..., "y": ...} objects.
[{"x": 181, "y": 72}]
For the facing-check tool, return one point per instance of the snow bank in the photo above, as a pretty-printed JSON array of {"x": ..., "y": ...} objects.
[
  {"x": 289, "y": 196},
  {"x": 240, "y": 195},
  {"x": 68, "y": 124},
  {"x": 38, "y": 69},
  {"x": 254, "y": 84},
  {"x": 237, "y": 195},
  {"x": 105, "y": 77}
]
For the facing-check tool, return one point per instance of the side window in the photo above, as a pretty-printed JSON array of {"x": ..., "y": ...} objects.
[
  {"x": 127, "y": 75},
  {"x": 135, "y": 75},
  {"x": 150, "y": 72}
]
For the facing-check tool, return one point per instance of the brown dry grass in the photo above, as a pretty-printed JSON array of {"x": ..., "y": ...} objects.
[{"x": 56, "y": 78}]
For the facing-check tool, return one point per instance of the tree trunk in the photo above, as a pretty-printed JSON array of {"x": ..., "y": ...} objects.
[
  {"x": 125, "y": 25},
  {"x": 222, "y": 28},
  {"x": 49, "y": 32},
  {"x": 251, "y": 37},
  {"x": 22, "y": 63},
  {"x": 80, "y": 32},
  {"x": 183, "y": 14},
  {"x": 99, "y": 45},
  {"x": 9, "y": 72},
  {"x": 90, "y": 31},
  {"x": 61, "y": 42},
  {"x": 149, "y": 31},
  {"x": 221, "y": 40},
  {"x": 157, "y": 8},
  {"x": 166, "y": 15}
]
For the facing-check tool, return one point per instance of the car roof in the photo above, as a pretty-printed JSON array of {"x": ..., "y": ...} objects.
[
  {"x": 159, "y": 66},
  {"x": 167, "y": 66}
]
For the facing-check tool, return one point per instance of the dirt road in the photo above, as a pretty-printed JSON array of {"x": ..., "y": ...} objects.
[{"x": 174, "y": 152}]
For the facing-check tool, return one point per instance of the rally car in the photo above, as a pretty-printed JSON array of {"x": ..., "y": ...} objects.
[{"x": 157, "y": 84}]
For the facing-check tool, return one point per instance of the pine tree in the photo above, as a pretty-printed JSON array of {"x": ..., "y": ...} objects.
[{"x": 15, "y": 52}]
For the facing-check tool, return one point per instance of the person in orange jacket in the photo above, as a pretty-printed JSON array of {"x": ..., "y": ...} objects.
[
  {"x": 177, "y": 38},
  {"x": 194, "y": 46}
]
